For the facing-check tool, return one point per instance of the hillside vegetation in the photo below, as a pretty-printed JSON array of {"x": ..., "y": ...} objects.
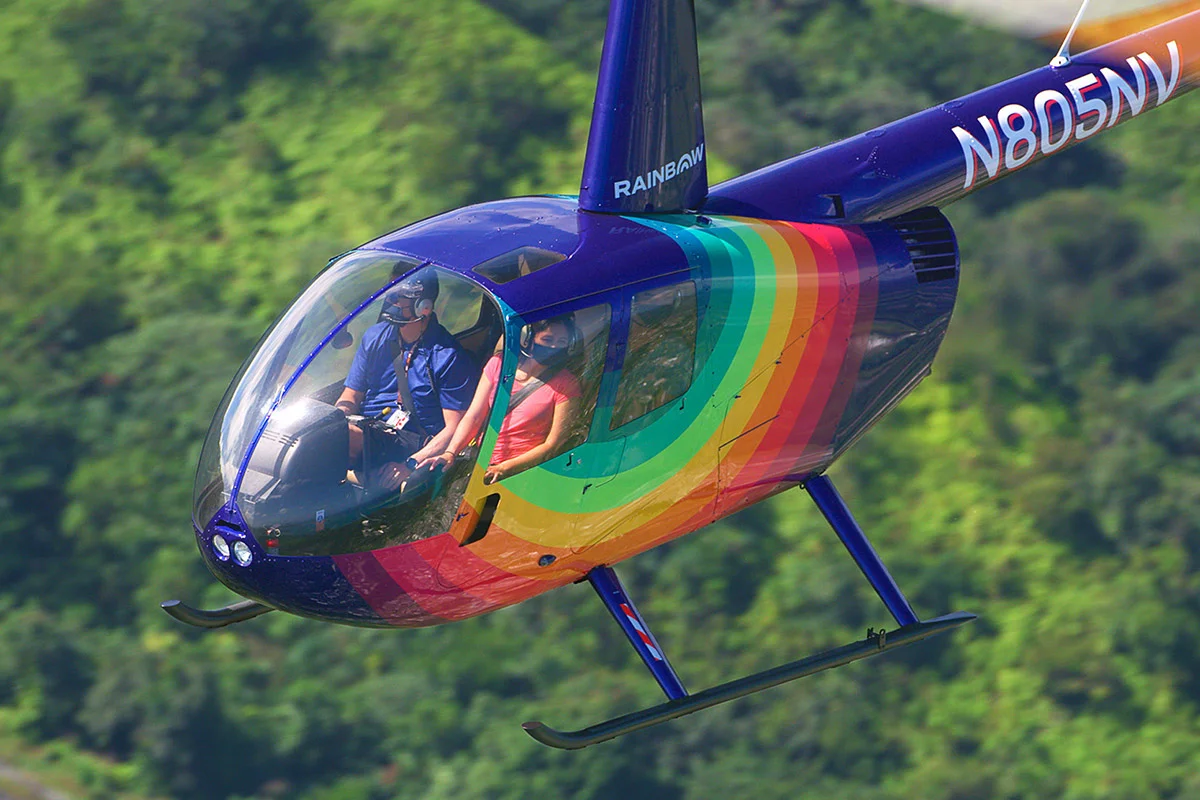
[{"x": 173, "y": 173}]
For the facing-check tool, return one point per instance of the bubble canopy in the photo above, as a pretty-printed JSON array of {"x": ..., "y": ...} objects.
[{"x": 302, "y": 471}]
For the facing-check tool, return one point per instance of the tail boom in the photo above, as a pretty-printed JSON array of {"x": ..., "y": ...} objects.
[{"x": 944, "y": 153}]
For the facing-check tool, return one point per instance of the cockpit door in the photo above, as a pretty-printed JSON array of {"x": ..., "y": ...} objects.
[
  {"x": 658, "y": 417},
  {"x": 537, "y": 465},
  {"x": 592, "y": 466}
]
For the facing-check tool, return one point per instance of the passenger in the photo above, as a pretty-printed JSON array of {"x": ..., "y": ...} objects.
[
  {"x": 544, "y": 399},
  {"x": 424, "y": 410}
]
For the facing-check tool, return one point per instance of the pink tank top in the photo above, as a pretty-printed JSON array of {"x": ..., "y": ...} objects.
[{"x": 529, "y": 425}]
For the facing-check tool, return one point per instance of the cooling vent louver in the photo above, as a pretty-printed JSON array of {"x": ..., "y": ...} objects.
[{"x": 930, "y": 241}]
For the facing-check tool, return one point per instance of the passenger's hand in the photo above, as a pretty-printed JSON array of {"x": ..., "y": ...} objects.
[
  {"x": 391, "y": 475},
  {"x": 497, "y": 472}
]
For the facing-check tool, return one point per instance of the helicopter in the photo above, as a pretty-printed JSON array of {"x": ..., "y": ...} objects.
[{"x": 716, "y": 346}]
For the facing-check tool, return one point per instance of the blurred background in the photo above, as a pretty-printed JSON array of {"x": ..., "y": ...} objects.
[{"x": 173, "y": 172}]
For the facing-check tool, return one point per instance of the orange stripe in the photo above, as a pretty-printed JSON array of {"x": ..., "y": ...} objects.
[{"x": 746, "y": 460}]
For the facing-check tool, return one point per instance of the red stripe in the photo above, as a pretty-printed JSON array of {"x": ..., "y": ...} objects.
[
  {"x": 381, "y": 592},
  {"x": 753, "y": 460},
  {"x": 857, "y": 314}
]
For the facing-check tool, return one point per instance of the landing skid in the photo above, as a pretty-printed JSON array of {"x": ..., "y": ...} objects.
[
  {"x": 874, "y": 644},
  {"x": 217, "y": 618},
  {"x": 680, "y": 703}
]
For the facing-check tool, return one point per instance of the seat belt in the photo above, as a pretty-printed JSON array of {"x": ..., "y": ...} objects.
[
  {"x": 528, "y": 389},
  {"x": 401, "y": 365}
]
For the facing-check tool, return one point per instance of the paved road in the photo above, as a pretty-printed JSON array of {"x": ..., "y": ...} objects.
[{"x": 31, "y": 788}]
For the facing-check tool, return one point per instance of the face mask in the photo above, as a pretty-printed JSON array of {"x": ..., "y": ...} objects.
[{"x": 547, "y": 356}]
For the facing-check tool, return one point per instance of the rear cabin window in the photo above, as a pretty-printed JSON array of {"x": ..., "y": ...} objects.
[
  {"x": 517, "y": 264},
  {"x": 661, "y": 351}
]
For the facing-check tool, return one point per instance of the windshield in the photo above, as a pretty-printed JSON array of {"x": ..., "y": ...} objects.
[
  {"x": 374, "y": 362},
  {"x": 334, "y": 295}
]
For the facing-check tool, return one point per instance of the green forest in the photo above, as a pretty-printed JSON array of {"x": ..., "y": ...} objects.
[{"x": 173, "y": 172}]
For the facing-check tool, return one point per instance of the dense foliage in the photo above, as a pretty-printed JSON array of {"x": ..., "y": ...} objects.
[{"x": 172, "y": 173}]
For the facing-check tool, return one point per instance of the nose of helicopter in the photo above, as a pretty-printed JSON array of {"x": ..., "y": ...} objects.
[
  {"x": 360, "y": 589},
  {"x": 288, "y": 506},
  {"x": 311, "y": 587},
  {"x": 417, "y": 584}
]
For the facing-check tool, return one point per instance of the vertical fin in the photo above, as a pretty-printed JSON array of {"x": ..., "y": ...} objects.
[{"x": 646, "y": 145}]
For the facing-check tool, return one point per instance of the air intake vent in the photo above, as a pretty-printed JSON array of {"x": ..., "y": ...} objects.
[{"x": 930, "y": 241}]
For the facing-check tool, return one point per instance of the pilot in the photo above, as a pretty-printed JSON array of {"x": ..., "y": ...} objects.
[
  {"x": 544, "y": 401},
  {"x": 426, "y": 406}
]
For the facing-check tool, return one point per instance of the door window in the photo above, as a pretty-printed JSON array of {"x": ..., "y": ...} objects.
[
  {"x": 661, "y": 351},
  {"x": 553, "y": 389}
]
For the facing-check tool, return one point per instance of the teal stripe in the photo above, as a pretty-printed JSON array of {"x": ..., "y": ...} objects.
[{"x": 740, "y": 272}]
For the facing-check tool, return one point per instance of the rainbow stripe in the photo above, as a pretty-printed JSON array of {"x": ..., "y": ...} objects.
[{"x": 786, "y": 316}]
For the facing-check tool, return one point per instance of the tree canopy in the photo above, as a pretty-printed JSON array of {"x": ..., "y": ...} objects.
[{"x": 173, "y": 173}]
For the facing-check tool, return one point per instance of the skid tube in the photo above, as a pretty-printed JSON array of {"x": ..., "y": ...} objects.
[
  {"x": 217, "y": 618},
  {"x": 680, "y": 703},
  {"x": 875, "y": 643}
]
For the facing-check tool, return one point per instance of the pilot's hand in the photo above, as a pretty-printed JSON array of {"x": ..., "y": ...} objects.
[
  {"x": 391, "y": 475},
  {"x": 443, "y": 460}
]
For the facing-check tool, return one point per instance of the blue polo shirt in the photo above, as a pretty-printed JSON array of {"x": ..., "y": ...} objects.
[{"x": 437, "y": 356}]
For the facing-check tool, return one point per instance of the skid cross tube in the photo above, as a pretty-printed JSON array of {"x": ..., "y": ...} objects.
[
  {"x": 606, "y": 583},
  {"x": 826, "y": 497}
]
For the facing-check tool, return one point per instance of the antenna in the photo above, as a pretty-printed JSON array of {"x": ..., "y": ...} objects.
[{"x": 1063, "y": 58}]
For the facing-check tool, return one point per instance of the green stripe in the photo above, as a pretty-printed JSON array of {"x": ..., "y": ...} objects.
[{"x": 741, "y": 273}]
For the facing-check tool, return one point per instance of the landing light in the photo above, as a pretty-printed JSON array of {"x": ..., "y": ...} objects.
[
  {"x": 242, "y": 554},
  {"x": 221, "y": 546}
]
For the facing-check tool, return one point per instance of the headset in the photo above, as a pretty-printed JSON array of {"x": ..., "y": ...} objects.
[{"x": 421, "y": 287}]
